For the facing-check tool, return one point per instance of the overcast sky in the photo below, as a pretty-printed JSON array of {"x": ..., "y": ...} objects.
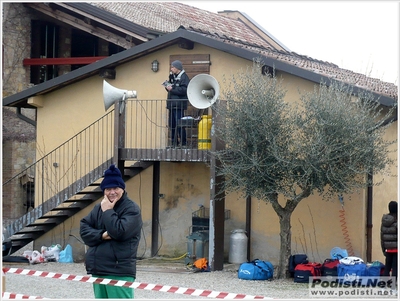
[{"x": 362, "y": 36}]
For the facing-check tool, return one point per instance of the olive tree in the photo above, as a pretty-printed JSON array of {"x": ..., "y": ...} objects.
[{"x": 325, "y": 142}]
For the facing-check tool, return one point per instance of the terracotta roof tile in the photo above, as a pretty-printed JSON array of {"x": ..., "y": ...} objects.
[{"x": 167, "y": 17}]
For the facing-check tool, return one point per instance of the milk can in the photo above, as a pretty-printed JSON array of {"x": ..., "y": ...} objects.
[{"x": 238, "y": 246}]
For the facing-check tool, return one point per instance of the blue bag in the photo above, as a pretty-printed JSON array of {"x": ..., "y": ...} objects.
[
  {"x": 355, "y": 272},
  {"x": 66, "y": 255},
  {"x": 375, "y": 269},
  {"x": 256, "y": 270}
]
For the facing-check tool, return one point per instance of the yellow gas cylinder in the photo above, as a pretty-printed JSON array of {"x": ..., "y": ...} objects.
[{"x": 204, "y": 132}]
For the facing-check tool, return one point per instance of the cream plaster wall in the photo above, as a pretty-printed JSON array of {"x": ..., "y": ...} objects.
[{"x": 316, "y": 224}]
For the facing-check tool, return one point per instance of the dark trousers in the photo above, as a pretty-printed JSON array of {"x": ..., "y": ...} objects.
[
  {"x": 175, "y": 114},
  {"x": 390, "y": 264}
]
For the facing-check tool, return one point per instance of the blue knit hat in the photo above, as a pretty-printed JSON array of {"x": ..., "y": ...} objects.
[
  {"x": 177, "y": 65},
  {"x": 112, "y": 178}
]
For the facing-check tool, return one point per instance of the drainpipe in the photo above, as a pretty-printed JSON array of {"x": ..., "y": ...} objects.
[
  {"x": 369, "y": 220},
  {"x": 24, "y": 118},
  {"x": 248, "y": 226},
  {"x": 370, "y": 202}
]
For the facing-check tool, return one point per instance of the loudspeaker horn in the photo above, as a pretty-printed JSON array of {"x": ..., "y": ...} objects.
[
  {"x": 203, "y": 91},
  {"x": 112, "y": 94}
]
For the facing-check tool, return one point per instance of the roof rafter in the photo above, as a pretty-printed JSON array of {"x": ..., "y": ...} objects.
[
  {"x": 80, "y": 24},
  {"x": 127, "y": 32}
]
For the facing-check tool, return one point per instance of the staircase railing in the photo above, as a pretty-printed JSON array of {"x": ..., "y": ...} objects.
[
  {"x": 136, "y": 124},
  {"x": 62, "y": 173}
]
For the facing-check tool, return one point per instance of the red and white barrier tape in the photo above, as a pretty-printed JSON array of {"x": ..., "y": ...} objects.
[
  {"x": 137, "y": 285},
  {"x": 6, "y": 295}
]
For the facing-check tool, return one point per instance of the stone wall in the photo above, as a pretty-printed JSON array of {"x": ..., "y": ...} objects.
[
  {"x": 17, "y": 156},
  {"x": 18, "y": 135},
  {"x": 16, "y": 47}
]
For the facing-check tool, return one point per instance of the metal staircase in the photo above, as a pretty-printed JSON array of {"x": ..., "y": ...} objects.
[{"x": 61, "y": 206}]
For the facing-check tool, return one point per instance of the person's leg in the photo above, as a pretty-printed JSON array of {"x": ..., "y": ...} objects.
[
  {"x": 388, "y": 264},
  {"x": 104, "y": 291},
  {"x": 394, "y": 265},
  {"x": 118, "y": 292},
  {"x": 182, "y": 132},
  {"x": 99, "y": 290},
  {"x": 172, "y": 125}
]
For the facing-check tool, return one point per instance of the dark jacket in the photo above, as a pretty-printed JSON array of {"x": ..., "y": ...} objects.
[
  {"x": 116, "y": 256},
  {"x": 389, "y": 232},
  {"x": 179, "y": 83}
]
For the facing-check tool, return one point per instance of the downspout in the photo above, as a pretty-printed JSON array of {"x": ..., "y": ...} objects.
[
  {"x": 370, "y": 202},
  {"x": 248, "y": 226},
  {"x": 24, "y": 118}
]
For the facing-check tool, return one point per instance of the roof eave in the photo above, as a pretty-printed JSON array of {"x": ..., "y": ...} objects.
[{"x": 20, "y": 98}]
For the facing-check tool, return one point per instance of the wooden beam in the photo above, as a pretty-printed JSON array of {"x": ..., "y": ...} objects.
[
  {"x": 80, "y": 24},
  {"x": 217, "y": 205},
  {"x": 120, "y": 29},
  {"x": 62, "y": 61},
  {"x": 36, "y": 101}
]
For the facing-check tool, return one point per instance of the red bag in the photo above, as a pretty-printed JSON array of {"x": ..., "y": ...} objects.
[
  {"x": 330, "y": 267},
  {"x": 303, "y": 271}
]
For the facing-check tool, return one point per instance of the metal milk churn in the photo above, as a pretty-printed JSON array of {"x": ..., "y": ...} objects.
[{"x": 238, "y": 246}]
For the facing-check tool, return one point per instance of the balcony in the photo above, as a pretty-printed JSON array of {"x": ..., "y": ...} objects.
[{"x": 144, "y": 132}]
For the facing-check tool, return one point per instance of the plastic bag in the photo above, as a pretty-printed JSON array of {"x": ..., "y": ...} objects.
[
  {"x": 51, "y": 253},
  {"x": 36, "y": 257},
  {"x": 66, "y": 255}
]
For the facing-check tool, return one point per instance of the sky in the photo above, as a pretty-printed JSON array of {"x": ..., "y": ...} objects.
[{"x": 361, "y": 36}]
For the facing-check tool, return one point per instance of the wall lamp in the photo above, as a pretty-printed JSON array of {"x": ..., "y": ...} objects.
[{"x": 154, "y": 65}]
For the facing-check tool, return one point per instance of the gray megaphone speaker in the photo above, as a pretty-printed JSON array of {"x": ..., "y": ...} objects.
[
  {"x": 112, "y": 94},
  {"x": 203, "y": 91}
]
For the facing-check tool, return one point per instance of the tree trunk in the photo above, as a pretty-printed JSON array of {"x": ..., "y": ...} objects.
[
  {"x": 284, "y": 215},
  {"x": 286, "y": 241}
]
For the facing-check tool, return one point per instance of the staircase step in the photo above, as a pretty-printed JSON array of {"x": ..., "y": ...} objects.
[
  {"x": 90, "y": 189},
  {"x": 46, "y": 220},
  {"x": 30, "y": 228}
]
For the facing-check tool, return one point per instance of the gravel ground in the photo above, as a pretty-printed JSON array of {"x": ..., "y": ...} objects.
[{"x": 150, "y": 271}]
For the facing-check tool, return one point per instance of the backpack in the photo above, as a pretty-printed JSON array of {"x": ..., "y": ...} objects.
[
  {"x": 303, "y": 271},
  {"x": 329, "y": 267},
  {"x": 256, "y": 270},
  {"x": 295, "y": 260}
]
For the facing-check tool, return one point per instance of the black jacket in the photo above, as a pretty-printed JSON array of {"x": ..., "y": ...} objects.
[
  {"x": 116, "y": 256},
  {"x": 179, "y": 83},
  {"x": 389, "y": 232}
]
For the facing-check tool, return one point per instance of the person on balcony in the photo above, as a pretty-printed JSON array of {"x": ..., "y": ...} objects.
[
  {"x": 112, "y": 232},
  {"x": 177, "y": 101}
]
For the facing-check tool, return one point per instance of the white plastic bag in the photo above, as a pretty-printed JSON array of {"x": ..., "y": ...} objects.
[
  {"x": 51, "y": 253},
  {"x": 36, "y": 257},
  {"x": 351, "y": 260}
]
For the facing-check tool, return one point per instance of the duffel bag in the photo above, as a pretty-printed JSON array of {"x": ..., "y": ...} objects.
[
  {"x": 296, "y": 259},
  {"x": 256, "y": 270},
  {"x": 303, "y": 271},
  {"x": 352, "y": 272},
  {"x": 329, "y": 267}
]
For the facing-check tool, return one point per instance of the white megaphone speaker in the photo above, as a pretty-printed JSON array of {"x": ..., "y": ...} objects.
[
  {"x": 112, "y": 94},
  {"x": 203, "y": 91}
]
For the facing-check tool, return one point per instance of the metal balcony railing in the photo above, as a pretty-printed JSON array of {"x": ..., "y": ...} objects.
[{"x": 82, "y": 159}]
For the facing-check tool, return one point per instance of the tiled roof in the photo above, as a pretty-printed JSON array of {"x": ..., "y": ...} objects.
[{"x": 167, "y": 17}]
